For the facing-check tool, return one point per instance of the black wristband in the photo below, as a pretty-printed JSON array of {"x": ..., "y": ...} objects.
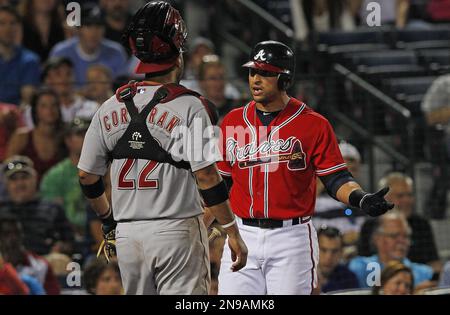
[
  {"x": 109, "y": 220},
  {"x": 94, "y": 190},
  {"x": 215, "y": 195},
  {"x": 355, "y": 197}
]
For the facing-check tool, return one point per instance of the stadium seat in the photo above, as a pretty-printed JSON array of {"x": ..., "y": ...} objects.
[
  {"x": 408, "y": 36},
  {"x": 408, "y": 86},
  {"x": 435, "y": 59},
  {"x": 382, "y": 58},
  {"x": 347, "y": 38}
]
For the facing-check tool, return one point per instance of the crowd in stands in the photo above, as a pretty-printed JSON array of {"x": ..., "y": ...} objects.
[{"x": 54, "y": 77}]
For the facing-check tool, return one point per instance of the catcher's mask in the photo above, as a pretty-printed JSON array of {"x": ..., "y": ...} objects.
[
  {"x": 274, "y": 57},
  {"x": 156, "y": 36}
]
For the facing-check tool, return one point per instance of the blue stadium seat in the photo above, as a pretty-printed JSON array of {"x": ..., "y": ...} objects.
[
  {"x": 435, "y": 59},
  {"x": 347, "y": 38}
]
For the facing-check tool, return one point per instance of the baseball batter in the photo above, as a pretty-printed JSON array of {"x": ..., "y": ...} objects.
[
  {"x": 273, "y": 149},
  {"x": 156, "y": 213}
]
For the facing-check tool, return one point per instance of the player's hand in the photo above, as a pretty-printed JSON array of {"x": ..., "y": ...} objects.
[
  {"x": 108, "y": 245},
  {"x": 375, "y": 204},
  {"x": 239, "y": 251}
]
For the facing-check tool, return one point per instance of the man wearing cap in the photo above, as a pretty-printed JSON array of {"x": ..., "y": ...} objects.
[
  {"x": 45, "y": 225},
  {"x": 90, "y": 47}
]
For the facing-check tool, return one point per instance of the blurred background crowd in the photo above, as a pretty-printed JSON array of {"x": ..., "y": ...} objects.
[{"x": 378, "y": 70}]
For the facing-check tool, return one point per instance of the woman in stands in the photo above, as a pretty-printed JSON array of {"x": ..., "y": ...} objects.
[{"x": 44, "y": 143}]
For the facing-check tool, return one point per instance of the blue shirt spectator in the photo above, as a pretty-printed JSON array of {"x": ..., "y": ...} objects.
[
  {"x": 359, "y": 266},
  {"x": 109, "y": 54},
  {"x": 19, "y": 67}
]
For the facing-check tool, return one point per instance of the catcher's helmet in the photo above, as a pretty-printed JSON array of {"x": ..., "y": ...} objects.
[
  {"x": 275, "y": 57},
  {"x": 156, "y": 36}
]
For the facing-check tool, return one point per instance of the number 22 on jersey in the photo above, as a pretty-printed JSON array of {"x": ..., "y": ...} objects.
[{"x": 143, "y": 182}]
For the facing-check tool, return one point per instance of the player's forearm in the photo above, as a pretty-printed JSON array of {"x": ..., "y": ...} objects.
[
  {"x": 345, "y": 190},
  {"x": 224, "y": 216},
  {"x": 209, "y": 179},
  {"x": 100, "y": 204}
]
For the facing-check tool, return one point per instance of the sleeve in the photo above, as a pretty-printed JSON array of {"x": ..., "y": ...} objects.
[
  {"x": 200, "y": 144},
  {"x": 326, "y": 156},
  {"x": 224, "y": 165},
  {"x": 437, "y": 95},
  {"x": 94, "y": 154}
]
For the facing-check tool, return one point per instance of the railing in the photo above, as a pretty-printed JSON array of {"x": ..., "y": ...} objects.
[{"x": 372, "y": 95}]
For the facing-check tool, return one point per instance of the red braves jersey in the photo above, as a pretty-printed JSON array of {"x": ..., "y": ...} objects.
[{"x": 274, "y": 168}]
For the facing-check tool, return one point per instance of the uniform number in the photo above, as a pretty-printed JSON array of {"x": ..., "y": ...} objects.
[{"x": 143, "y": 181}]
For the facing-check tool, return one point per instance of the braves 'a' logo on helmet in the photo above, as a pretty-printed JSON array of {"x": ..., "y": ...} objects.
[{"x": 261, "y": 55}]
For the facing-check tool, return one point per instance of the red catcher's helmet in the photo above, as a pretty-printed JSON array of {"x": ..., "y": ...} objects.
[{"x": 156, "y": 36}]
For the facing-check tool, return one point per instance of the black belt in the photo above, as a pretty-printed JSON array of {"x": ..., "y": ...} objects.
[{"x": 272, "y": 224}]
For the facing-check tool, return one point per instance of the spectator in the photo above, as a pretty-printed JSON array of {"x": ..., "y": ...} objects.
[
  {"x": 90, "y": 47},
  {"x": 330, "y": 212},
  {"x": 10, "y": 119},
  {"x": 10, "y": 282},
  {"x": 42, "y": 25},
  {"x": 212, "y": 81},
  {"x": 20, "y": 64},
  {"x": 423, "y": 247},
  {"x": 26, "y": 263},
  {"x": 103, "y": 278},
  {"x": 45, "y": 224},
  {"x": 332, "y": 274},
  {"x": 60, "y": 185},
  {"x": 117, "y": 16},
  {"x": 99, "y": 86},
  {"x": 396, "y": 279},
  {"x": 204, "y": 48},
  {"x": 58, "y": 75},
  {"x": 327, "y": 15},
  {"x": 200, "y": 47},
  {"x": 43, "y": 144},
  {"x": 392, "y": 239},
  {"x": 436, "y": 107}
]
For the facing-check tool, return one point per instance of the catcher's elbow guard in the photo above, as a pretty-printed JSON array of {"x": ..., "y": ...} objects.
[
  {"x": 94, "y": 190},
  {"x": 215, "y": 195}
]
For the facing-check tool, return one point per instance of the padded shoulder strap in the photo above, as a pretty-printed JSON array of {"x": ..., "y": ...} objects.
[{"x": 176, "y": 90}]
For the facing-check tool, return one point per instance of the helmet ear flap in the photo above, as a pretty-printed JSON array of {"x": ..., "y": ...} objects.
[{"x": 284, "y": 81}]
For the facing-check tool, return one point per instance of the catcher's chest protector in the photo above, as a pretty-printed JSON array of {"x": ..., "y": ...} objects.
[{"x": 137, "y": 141}]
